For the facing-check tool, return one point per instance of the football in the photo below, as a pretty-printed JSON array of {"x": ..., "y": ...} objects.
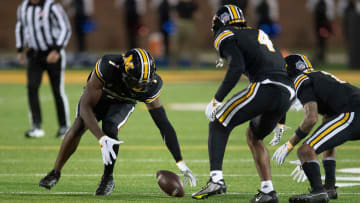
[{"x": 170, "y": 183}]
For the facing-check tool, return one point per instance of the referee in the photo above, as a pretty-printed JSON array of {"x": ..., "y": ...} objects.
[{"x": 44, "y": 30}]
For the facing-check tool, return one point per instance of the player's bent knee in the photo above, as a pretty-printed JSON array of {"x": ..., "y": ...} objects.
[{"x": 305, "y": 151}]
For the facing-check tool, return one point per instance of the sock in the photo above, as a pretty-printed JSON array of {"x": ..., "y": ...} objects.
[
  {"x": 267, "y": 186},
  {"x": 216, "y": 176},
  {"x": 108, "y": 170},
  {"x": 312, "y": 171},
  {"x": 329, "y": 166}
]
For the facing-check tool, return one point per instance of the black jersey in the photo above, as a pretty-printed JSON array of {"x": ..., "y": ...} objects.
[
  {"x": 250, "y": 52},
  {"x": 109, "y": 70},
  {"x": 332, "y": 95}
]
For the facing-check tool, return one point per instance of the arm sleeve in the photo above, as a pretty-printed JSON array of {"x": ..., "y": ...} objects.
[
  {"x": 65, "y": 28},
  {"x": 167, "y": 131},
  {"x": 19, "y": 31},
  {"x": 233, "y": 55}
]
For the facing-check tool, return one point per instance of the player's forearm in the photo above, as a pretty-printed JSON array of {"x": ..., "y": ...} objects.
[
  {"x": 90, "y": 121},
  {"x": 167, "y": 131}
]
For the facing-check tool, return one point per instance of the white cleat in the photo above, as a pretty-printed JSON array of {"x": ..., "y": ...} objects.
[{"x": 35, "y": 132}]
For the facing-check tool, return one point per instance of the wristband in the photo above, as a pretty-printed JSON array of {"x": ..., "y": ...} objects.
[{"x": 301, "y": 134}]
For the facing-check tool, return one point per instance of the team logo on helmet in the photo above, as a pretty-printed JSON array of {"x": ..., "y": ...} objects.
[
  {"x": 300, "y": 65},
  {"x": 224, "y": 18}
]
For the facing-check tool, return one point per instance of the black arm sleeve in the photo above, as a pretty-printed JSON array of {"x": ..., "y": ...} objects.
[
  {"x": 167, "y": 132},
  {"x": 231, "y": 52}
]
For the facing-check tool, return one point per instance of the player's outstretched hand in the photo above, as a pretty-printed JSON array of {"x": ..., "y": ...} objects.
[
  {"x": 278, "y": 133},
  {"x": 106, "y": 144},
  {"x": 281, "y": 153},
  {"x": 212, "y": 108},
  {"x": 298, "y": 173},
  {"x": 188, "y": 175}
]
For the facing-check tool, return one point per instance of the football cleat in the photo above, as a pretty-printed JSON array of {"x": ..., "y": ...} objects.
[
  {"x": 262, "y": 197},
  {"x": 211, "y": 188},
  {"x": 50, "y": 179},
  {"x": 35, "y": 132},
  {"x": 312, "y": 197},
  {"x": 106, "y": 186},
  {"x": 331, "y": 191},
  {"x": 62, "y": 132}
]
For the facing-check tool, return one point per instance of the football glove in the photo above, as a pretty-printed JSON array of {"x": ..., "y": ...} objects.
[
  {"x": 281, "y": 153},
  {"x": 188, "y": 175},
  {"x": 278, "y": 133},
  {"x": 219, "y": 63},
  {"x": 298, "y": 173},
  {"x": 212, "y": 108},
  {"x": 106, "y": 144}
]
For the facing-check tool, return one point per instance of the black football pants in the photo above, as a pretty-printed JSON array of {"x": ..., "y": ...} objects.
[{"x": 35, "y": 68}]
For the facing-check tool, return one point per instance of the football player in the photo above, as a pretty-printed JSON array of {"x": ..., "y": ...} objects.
[
  {"x": 250, "y": 52},
  {"x": 110, "y": 95},
  {"x": 339, "y": 103}
]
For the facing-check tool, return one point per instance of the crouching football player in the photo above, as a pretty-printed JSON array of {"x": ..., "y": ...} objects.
[
  {"x": 110, "y": 95},
  {"x": 339, "y": 103}
]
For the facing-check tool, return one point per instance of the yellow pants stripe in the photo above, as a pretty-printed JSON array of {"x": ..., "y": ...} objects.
[
  {"x": 237, "y": 102},
  {"x": 331, "y": 128}
]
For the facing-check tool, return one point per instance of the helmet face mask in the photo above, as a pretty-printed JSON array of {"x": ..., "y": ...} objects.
[{"x": 139, "y": 69}]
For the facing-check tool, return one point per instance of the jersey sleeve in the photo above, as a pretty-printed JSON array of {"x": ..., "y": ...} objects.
[
  {"x": 107, "y": 66},
  {"x": 304, "y": 89},
  {"x": 226, "y": 34},
  {"x": 154, "y": 90}
]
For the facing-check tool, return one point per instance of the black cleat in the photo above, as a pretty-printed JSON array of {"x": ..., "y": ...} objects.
[
  {"x": 211, "y": 188},
  {"x": 106, "y": 186},
  {"x": 331, "y": 191},
  {"x": 61, "y": 132},
  {"x": 312, "y": 197},
  {"x": 262, "y": 197},
  {"x": 50, "y": 179}
]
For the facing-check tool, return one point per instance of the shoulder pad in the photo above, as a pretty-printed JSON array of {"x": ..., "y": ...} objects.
[
  {"x": 299, "y": 80},
  {"x": 222, "y": 36}
]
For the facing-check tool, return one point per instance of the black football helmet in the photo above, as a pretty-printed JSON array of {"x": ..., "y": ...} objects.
[
  {"x": 228, "y": 15},
  {"x": 139, "y": 69},
  {"x": 296, "y": 64}
]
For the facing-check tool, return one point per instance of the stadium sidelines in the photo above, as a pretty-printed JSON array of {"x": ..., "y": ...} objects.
[{"x": 169, "y": 76}]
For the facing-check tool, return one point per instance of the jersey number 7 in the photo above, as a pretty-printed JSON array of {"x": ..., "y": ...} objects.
[{"x": 264, "y": 39}]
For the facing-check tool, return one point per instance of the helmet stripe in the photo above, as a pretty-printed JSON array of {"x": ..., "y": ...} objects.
[
  {"x": 307, "y": 61},
  {"x": 230, "y": 12},
  {"x": 142, "y": 64},
  {"x": 233, "y": 10},
  {"x": 146, "y": 64}
]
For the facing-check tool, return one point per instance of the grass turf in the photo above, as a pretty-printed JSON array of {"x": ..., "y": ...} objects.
[{"x": 23, "y": 161}]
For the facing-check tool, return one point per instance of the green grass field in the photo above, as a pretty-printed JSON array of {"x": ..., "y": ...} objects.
[{"x": 23, "y": 161}]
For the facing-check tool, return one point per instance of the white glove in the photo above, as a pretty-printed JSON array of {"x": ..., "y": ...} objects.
[
  {"x": 212, "y": 108},
  {"x": 188, "y": 175},
  {"x": 278, "y": 132},
  {"x": 298, "y": 173},
  {"x": 106, "y": 144},
  {"x": 219, "y": 63},
  {"x": 296, "y": 105},
  {"x": 281, "y": 153}
]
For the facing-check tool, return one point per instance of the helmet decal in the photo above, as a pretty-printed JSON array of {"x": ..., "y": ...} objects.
[{"x": 128, "y": 63}]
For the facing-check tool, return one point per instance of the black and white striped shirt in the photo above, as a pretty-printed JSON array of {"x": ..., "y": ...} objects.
[{"x": 43, "y": 26}]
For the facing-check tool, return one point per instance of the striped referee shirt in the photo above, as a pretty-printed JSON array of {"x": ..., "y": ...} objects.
[{"x": 42, "y": 26}]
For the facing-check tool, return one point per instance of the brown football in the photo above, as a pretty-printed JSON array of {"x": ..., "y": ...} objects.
[{"x": 170, "y": 183}]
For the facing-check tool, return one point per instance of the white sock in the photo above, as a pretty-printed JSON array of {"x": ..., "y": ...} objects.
[
  {"x": 216, "y": 175},
  {"x": 267, "y": 186}
]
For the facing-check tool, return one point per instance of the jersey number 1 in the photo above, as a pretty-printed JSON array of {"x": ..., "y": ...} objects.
[{"x": 263, "y": 39}]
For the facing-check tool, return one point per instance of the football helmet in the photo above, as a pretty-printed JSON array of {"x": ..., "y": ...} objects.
[
  {"x": 228, "y": 15},
  {"x": 139, "y": 69},
  {"x": 296, "y": 64}
]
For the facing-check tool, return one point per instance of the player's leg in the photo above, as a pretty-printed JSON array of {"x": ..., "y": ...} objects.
[
  {"x": 335, "y": 131},
  {"x": 115, "y": 118},
  {"x": 329, "y": 164},
  {"x": 68, "y": 147},
  {"x": 34, "y": 76},
  {"x": 56, "y": 73}
]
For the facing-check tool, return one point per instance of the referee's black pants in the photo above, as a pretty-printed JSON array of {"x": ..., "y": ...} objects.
[{"x": 35, "y": 68}]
